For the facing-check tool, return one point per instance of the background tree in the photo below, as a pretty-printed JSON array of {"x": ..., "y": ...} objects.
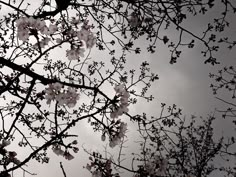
[
  {"x": 173, "y": 146},
  {"x": 40, "y": 90}
]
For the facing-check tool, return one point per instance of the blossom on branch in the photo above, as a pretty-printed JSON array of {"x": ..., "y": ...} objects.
[
  {"x": 25, "y": 25},
  {"x": 87, "y": 36},
  {"x": 124, "y": 98},
  {"x": 75, "y": 54},
  {"x": 116, "y": 139},
  {"x": 68, "y": 97}
]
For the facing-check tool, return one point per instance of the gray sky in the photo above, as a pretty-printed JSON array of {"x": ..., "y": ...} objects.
[{"x": 185, "y": 84}]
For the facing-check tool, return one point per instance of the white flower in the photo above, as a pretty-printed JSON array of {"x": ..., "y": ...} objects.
[
  {"x": 52, "y": 28},
  {"x": 40, "y": 24},
  {"x": 114, "y": 115},
  {"x": 71, "y": 54},
  {"x": 44, "y": 42},
  {"x": 71, "y": 97},
  {"x": 23, "y": 35},
  {"x": 58, "y": 40},
  {"x": 117, "y": 138},
  {"x": 61, "y": 98},
  {"x": 119, "y": 88},
  {"x": 32, "y": 22},
  {"x": 123, "y": 128},
  {"x": 75, "y": 54},
  {"x": 123, "y": 108},
  {"x": 124, "y": 98},
  {"x": 68, "y": 156},
  {"x": 52, "y": 91},
  {"x": 91, "y": 41},
  {"x": 57, "y": 150},
  {"x": 45, "y": 30},
  {"x": 57, "y": 86},
  {"x": 114, "y": 141},
  {"x": 68, "y": 97},
  {"x": 83, "y": 34},
  {"x": 22, "y": 23}
]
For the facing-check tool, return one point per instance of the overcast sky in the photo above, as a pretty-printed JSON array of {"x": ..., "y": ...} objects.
[{"x": 185, "y": 83}]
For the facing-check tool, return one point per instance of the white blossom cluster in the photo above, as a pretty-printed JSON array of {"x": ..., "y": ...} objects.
[
  {"x": 115, "y": 140},
  {"x": 96, "y": 171},
  {"x": 76, "y": 53},
  {"x": 58, "y": 151},
  {"x": 25, "y": 24},
  {"x": 123, "y": 106},
  {"x": 29, "y": 25},
  {"x": 56, "y": 92},
  {"x": 87, "y": 36},
  {"x": 11, "y": 155},
  {"x": 83, "y": 35}
]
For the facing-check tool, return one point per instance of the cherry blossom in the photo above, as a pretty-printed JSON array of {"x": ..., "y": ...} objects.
[
  {"x": 52, "y": 29},
  {"x": 23, "y": 35},
  {"x": 24, "y": 25},
  {"x": 44, "y": 42},
  {"x": 71, "y": 97},
  {"x": 115, "y": 140},
  {"x": 123, "y": 106},
  {"x": 87, "y": 36},
  {"x": 68, "y": 156},
  {"x": 91, "y": 41},
  {"x": 52, "y": 91},
  {"x": 57, "y": 150},
  {"x": 75, "y": 54},
  {"x": 83, "y": 34},
  {"x": 10, "y": 156},
  {"x": 68, "y": 97},
  {"x": 58, "y": 40}
]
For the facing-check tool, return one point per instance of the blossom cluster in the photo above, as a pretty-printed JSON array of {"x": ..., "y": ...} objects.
[
  {"x": 56, "y": 92},
  {"x": 29, "y": 25},
  {"x": 76, "y": 53},
  {"x": 25, "y": 25},
  {"x": 156, "y": 166},
  {"x": 123, "y": 106},
  {"x": 117, "y": 138},
  {"x": 84, "y": 35},
  {"x": 99, "y": 168},
  {"x": 9, "y": 156},
  {"x": 87, "y": 36},
  {"x": 58, "y": 151}
]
